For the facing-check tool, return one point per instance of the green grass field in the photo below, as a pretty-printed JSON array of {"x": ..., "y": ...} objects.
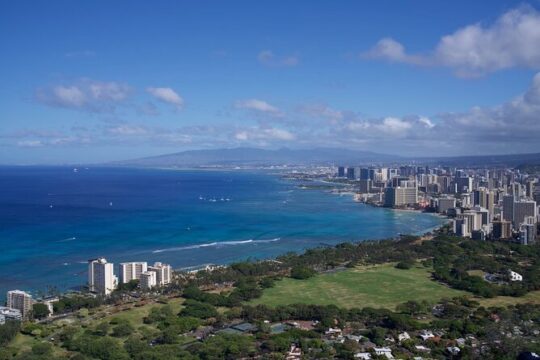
[
  {"x": 530, "y": 298},
  {"x": 381, "y": 286}
]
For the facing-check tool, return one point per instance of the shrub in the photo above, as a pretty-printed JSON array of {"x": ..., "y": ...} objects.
[{"x": 302, "y": 272}]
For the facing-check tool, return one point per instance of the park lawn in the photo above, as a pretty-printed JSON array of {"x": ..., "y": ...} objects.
[
  {"x": 135, "y": 315},
  {"x": 380, "y": 286},
  {"x": 532, "y": 297}
]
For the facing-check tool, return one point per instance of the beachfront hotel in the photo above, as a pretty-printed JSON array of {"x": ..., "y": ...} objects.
[
  {"x": 148, "y": 280},
  {"x": 101, "y": 278},
  {"x": 132, "y": 271},
  {"x": 103, "y": 281},
  {"x": 20, "y": 300},
  {"x": 163, "y": 273}
]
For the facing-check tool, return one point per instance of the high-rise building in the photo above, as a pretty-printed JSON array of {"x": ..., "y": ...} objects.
[
  {"x": 508, "y": 207},
  {"x": 444, "y": 183},
  {"x": 148, "y": 280},
  {"x": 484, "y": 214},
  {"x": 464, "y": 184},
  {"x": 20, "y": 300},
  {"x": 392, "y": 173},
  {"x": 522, "y": 209},
  {"x": 132, "y": 271},
  {"x": 461, "y": 226},
  {"x": 351, "y": 173},
  {"x": 465, "y": 200},
  {"x": 341, "y": 171},
  {"x": 474, "y": 220},
  {"x": 383, "y": 172},
  {"x": 101, "y": 278},
  {"x": 443, "y": 204},
  {"x": 163, "y": 273},
  {"x": 364, "y": 174},
  {"x": 491, "y": 203},
  {"x": 399, "y": 196},
  {"x": 515, "y": 190},
  {"x": 529, "y": 188},
  {"x": 480, "y": 197},
  {"x": 502, "y": 230},
  {"x": 527, "y": 231},
  {"x": 365, "y": 186}
]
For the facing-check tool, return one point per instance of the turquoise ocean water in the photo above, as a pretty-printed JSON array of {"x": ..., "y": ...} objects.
[{"x": 52, "y": 219}]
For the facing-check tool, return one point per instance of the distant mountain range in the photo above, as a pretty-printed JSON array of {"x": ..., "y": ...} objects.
[
  {"x": 259, "y": 157},
  {"x": 317, "y": 156}
]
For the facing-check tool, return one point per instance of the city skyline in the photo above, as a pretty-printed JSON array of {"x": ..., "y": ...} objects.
[{"x": 117, "y": 81}]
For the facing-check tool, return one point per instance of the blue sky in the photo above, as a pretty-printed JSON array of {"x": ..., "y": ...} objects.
[{"x": 99, "y": 81}]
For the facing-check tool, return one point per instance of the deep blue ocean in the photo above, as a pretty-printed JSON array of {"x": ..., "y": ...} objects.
[{"x": 52, "y": 219}]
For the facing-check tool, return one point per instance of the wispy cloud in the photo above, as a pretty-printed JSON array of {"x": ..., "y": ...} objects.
[
  {"x": 511, "y": 126},
  {"x": 257, "y": 105},
  {"x": 268, "y": 58},
  {"x": 85, "y": 94},
  {"x": 513, "y": 40}
]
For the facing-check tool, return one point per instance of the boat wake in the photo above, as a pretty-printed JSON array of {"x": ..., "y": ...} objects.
[{"x": 216, "y": 244}]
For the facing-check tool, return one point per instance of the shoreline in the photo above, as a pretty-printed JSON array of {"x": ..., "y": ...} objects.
[{"x": 291, "y": 243}]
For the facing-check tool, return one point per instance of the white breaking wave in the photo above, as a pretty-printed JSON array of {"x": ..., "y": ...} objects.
[
  {"x": 215, "y": 244},
  {"x": 68, "y": 239}
]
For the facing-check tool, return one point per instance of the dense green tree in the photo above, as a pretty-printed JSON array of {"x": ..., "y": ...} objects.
[
  {"x": 198, "y": 309},
  {"x": 40, "y": 311},
  {"x": 123, "y": 329},
  {"x": 8, "y": 331}
]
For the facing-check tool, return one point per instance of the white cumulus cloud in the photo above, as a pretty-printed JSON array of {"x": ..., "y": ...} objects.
[
  {"x": 167, "y": 95},
  {"x": 513, "y": 40}
]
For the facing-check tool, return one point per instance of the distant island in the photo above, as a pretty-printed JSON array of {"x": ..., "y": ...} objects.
[{"x": 253, "y": 157}]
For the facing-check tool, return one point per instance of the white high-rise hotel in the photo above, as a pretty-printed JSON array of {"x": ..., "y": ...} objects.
[
  {"x": 163, "y": 273},
  {"x": 101, "y": 278},
  {"x": 132, "y": 271}
]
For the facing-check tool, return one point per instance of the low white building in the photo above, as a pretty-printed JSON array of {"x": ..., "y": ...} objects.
[
  {"x": 426, "y": 335},
  {"x": 7, "y": 313},
  {"x": 422, "y": 348},
  {"x": 403, "y": 336},
  {"x": 295, "y": 353},
  {"x": 49, "y": 303},
  {"x": 363, "y": 356},
  {"x": 514, "y": 276},
  {"x": 384, "y": 351}
]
